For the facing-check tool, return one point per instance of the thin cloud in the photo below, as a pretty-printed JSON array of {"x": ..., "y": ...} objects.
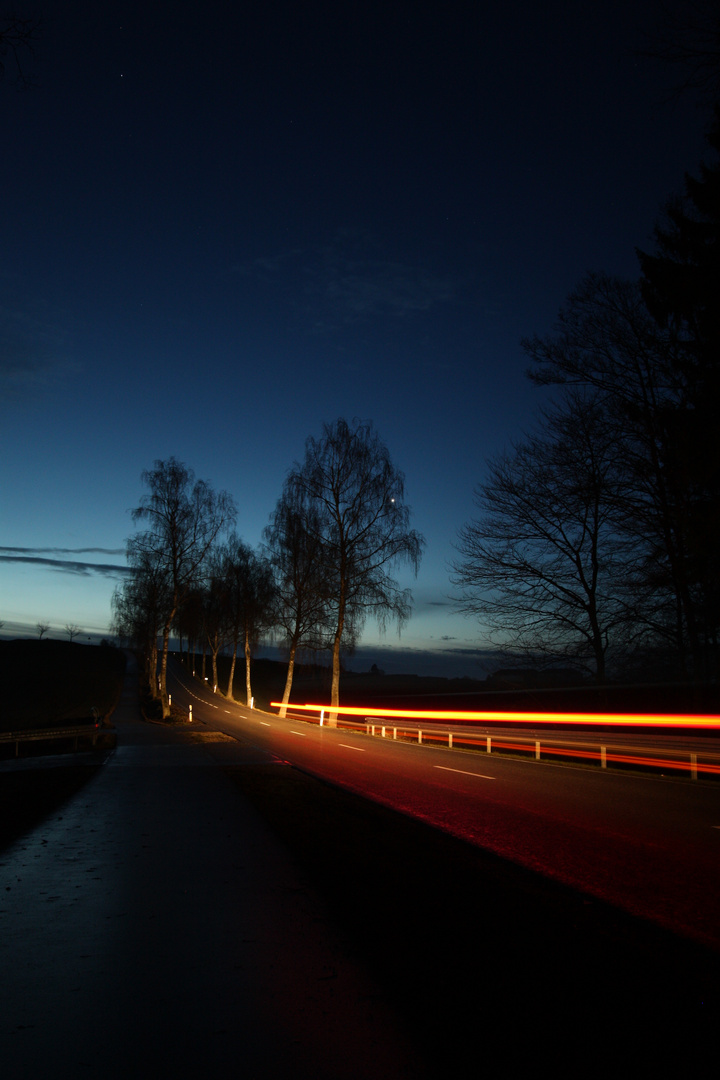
[{"x": 44, "y": 557}]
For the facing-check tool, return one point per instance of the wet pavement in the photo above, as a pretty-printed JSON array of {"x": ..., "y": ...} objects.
[{"x": 154, "y": 924}]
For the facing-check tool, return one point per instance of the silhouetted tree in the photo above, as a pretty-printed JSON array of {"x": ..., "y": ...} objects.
[
  {"x": 544, "y": 566},
  {"x": 139, "y": 606},
  {"x": 355, "y": 494},
  {"x": 687, "y": 39},
  {"x": 189, "y": 621},
  {"x": 18, "y": 35},
  {"x": 681, "y": 287},
  {"x": 185, "y": 517},
  {"x": 294, "y": 542},
  {"x": 42, "y": 628},
  {"x": 252, "y": 604},
  {"x": 606, "y": 341}
]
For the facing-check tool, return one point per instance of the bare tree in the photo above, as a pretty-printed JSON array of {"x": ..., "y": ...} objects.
[
  {"x": 544, "y": 566},
  {"x": 42, "y": 628},
  {"x": 216, "y": 609},
  {"x": 190, "y": 622},
  {"x": 251, "y": 601},
  {"x": 72, "y": 631},
  {"x": 356, "y": 495},
  {"x": 185, "y": 517},
  {"x": 139, "y": 606},
  {"x": 18, "y": 35},
  {"x": 606, "y": 342},
  {"x": 687, "y": 39},
  {"x": 294, "y": 542}
]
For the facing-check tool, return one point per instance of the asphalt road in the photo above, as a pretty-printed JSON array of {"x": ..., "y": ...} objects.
[{"x": 650, "y": 845}]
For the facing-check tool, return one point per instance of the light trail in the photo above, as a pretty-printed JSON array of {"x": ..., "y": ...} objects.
[{"x": 604, "y": 719}]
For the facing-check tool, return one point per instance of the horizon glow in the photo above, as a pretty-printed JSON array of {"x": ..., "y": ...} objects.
[{"x": 611, "y": 719}]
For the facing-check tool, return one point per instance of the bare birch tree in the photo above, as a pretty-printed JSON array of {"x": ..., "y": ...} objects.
[
  {"x": 185, "y": 517},
  {"x": 294, "y": 542},
  {"x": 356, "y": 496}
]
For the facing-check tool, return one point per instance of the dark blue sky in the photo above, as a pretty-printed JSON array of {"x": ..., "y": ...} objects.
[{"x": 226, "y": 224}]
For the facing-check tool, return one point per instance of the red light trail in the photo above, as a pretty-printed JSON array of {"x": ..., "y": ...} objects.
[{"x": 604, "y": 719}]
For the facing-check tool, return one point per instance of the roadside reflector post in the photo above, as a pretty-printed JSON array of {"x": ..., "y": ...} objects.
[
  {"x": 603, "y": 757},
  {"x": 489, "y": 745},
  {"x": 382, "y": 731},
  {"x": 394, "y": 733},
  {"x": 450, "y": 740},
  {"x": 169, "y": 699},
  {"x": 190, "y": 715},
  {"x": 419, "y": 736},
  {"x": 537, "y": 749},
  {"x": 252, "y": 702},
  {"x": 322, "y": 717},
  {"x": 693, "y": 766}
]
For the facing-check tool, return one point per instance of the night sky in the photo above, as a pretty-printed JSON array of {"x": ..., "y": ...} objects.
[{"x": 227, "y": 224}]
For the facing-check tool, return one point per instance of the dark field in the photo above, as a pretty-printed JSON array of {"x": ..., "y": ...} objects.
[{"x": 46, "y": 683}]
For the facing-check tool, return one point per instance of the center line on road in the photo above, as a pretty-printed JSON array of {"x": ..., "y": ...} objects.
[
  {"x": 360, "y": 749},
  {"x": 464, "y": 772}
]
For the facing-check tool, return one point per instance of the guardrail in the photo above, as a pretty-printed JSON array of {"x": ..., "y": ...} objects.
[
  {"x": 691, "y": 763},
  {"x": 76, "y": 732},
  {"x": 641, "y": 757}
]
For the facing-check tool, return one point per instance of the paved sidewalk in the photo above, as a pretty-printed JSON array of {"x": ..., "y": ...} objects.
[{"x": 153, "y": 925}]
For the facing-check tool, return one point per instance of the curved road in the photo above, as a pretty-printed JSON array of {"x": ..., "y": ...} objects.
[{"x": 647, "y": 844}]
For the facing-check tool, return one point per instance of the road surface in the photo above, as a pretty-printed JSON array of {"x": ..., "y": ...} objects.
[{"x": 647, "y": 844}]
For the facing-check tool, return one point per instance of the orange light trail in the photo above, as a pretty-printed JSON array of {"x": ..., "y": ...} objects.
[{"x": 606, "y": 719}]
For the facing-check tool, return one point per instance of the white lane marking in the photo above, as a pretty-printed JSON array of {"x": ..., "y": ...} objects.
[
  {"x": 264, "y": 723},
  {"x": 360, "y": 749},
  {"x": 303, "y": 733},
  {"x": 464, "y": 772}
]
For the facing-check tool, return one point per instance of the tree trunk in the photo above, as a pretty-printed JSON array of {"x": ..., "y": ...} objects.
[
  {"x": 335, "y": 686},
  {"x": 248, "y": 688},
  {"x": 289, "y": 679},
  {"x": 229, "y": 694},
  {"x": 214, "y": 668},
  {"x": 163, "y": 672}
]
